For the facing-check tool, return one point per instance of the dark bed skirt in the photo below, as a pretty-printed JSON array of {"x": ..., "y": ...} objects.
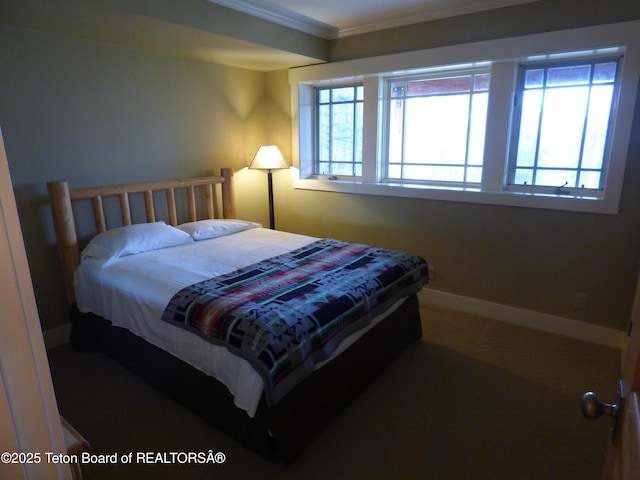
[{"x": 282, "y": 430}]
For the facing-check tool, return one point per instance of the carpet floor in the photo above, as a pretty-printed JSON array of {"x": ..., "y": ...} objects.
[{"x": 474, "y": 399}]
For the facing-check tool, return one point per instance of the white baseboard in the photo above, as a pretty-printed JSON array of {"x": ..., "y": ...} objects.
[
  {"x": 495, "y": 311},
  {"x": 526, "y": 318},
  {"x": 56, "y": 336}
]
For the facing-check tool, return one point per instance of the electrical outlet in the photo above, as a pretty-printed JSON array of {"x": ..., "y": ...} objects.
[
  {"x": 580, "y": 301},
  {"x": 432, "y": 273}
]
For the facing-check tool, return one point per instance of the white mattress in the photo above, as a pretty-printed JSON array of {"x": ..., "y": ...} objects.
[{"x": 133, "y": 292}]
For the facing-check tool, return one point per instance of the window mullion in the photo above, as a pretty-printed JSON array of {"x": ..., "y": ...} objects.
[
  {"x": 403, "y": 149},
  {"x": 539, "y": 137},
  {"x": 584, "y": 128},
  {"x": 371, "y": 118},
  {"x": 499, "y": 112},
  {"x": 331, "y": 116},
  {"x": 469, "y": 118},
  {"x": 354, "y": 143}
]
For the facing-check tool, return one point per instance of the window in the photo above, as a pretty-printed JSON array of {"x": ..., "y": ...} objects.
[
  {"x": 538, "y": 121},
  {"x": 339, "y": 130},
  {"x": 563, "y": 114},
  {"x": 435, "y": 128}
]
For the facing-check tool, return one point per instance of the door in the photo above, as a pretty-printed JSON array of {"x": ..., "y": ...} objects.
[
  {"x": 622, "y": 461},
  {"x": 29, "y": 419}
]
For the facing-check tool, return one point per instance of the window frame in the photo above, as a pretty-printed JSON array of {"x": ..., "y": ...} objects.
[
  {"x": 388, "y": 100},
  {"x": 504, "y": 56},
  {"x": 517, "y": 111},
  {"x": 317, "y": 160}
]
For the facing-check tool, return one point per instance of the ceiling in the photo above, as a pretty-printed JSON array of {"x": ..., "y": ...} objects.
[
  {"x": 337, "y": 18},
  {"x": 242, "y": 33}
]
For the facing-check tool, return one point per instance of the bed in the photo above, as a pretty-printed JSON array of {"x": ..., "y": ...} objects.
[{"x": 215, "y": 312}]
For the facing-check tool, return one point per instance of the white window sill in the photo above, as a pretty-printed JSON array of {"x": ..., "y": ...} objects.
[{"x": 469, "y": 195}]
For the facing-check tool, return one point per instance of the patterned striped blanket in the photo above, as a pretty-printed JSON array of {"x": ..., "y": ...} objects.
[{"x": 287, "y": 313}]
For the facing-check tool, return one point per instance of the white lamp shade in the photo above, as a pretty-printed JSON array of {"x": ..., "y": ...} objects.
[{"x": 269, "y": 157}]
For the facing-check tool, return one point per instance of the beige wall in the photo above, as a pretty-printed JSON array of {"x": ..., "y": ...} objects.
[
  {"x": 534, "y": 17},
  {"x": 94, "y": 113},
  {"x": 529, "y": 258}
]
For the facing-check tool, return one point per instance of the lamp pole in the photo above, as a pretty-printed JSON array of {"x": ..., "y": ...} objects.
[{"x": 271, "y": 216}]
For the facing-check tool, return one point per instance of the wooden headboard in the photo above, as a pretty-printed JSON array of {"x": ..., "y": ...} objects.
[{"x": 62, "y": 198}]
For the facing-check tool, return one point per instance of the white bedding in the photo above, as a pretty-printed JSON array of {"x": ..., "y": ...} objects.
[{"x": 133, "y": 292}]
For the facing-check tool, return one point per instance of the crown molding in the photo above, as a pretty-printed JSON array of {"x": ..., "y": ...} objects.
[
  {"x": 285, "y": 18},
  {"x": 290, "y": 19},
  {"x": 432, "y": 14}
]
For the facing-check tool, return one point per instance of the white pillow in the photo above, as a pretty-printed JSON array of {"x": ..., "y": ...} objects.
[
  {"x": 205, "y": 229},
  {"x": 106, "y": 247}
]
